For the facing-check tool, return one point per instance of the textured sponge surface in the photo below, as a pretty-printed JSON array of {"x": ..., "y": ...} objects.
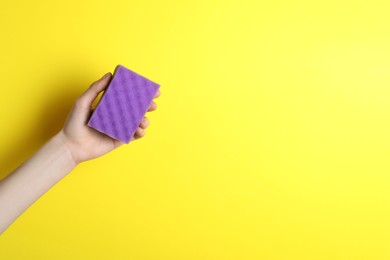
[{"x": 123, "y": 104}]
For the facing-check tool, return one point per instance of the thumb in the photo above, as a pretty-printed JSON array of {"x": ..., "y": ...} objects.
[{"x": 86, "y": 99}]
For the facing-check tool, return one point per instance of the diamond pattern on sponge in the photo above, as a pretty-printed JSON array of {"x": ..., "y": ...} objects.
[{"x": 123, "y": 104}]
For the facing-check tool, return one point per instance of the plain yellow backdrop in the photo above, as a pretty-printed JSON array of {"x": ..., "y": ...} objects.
[{"x": 271, "y": 139}]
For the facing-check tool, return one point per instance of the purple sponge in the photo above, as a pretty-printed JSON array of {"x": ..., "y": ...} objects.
[{"x": 123, "y": 104}]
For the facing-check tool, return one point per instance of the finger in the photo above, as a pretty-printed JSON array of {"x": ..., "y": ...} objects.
[
  {"x": 139, "y": 133},
  {"x": 152, "y": 107},
  {"x": 117, "y": 143},
  {"x": 86, "y": 99},
  {"x": 144, "y": 123},
  {"x": 157, "y": 94}
]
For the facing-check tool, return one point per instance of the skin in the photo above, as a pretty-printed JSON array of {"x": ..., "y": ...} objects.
[{"x": 72, "y": 145}]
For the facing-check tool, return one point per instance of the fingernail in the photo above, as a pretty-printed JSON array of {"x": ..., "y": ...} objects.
[{"x": 106, "y": 75}]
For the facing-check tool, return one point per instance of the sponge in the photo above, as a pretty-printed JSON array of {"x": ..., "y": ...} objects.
[{"x": 123, "y": 104}]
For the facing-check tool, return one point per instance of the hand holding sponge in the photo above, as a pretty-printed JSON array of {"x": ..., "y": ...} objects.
[{"x": 123, "y": 104}]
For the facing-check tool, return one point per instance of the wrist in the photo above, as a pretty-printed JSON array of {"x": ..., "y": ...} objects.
[{"x": 60, "y": 140}]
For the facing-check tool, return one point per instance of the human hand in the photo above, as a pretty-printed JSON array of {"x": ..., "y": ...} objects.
[{"x": 85, "y": 143}]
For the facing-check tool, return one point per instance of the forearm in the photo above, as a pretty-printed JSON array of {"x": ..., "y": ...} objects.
[{"x": 33, "y": 178}]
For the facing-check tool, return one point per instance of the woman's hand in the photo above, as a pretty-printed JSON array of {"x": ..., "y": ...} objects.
[
  {"x": 74, "y": 143},
  {"x": 83, "y": 142}
]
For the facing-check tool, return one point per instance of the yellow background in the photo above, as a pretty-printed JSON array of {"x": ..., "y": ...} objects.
[{"x": 271, "y": 139}]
